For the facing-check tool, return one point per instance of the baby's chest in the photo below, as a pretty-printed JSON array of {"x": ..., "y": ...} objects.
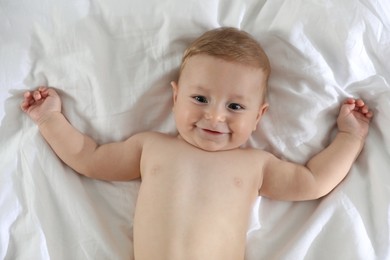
[{"x": 202, "y": 174}]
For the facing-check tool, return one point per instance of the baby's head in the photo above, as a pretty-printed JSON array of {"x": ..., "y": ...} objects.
[
  {"x": 220, "y": 95},
  {"x": 230, "y": 44}
]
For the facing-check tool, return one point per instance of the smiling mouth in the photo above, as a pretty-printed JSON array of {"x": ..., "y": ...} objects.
[{"x": 212, "y": 132}]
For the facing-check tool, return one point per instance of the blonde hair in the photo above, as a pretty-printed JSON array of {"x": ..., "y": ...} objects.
[{"x": 230, "y": 44}]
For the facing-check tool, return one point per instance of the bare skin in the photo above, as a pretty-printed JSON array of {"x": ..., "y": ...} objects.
[{"x": 198, "y": 188}]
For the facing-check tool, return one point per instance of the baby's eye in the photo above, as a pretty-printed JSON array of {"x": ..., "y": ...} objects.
[
  {"x": 235, "y": 106},
  {"x": 200, "y": 99}
]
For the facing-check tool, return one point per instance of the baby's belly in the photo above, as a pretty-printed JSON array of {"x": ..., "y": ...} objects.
[
  {"x": 178, "y": 222},
  {"x": 177, "y": 241}
]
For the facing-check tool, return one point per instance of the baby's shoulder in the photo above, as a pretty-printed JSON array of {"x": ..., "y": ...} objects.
[
  {"x": 152, "y": 137},
  {"x": 255, "y": 155},
  {"x": 255, "y": 152}
]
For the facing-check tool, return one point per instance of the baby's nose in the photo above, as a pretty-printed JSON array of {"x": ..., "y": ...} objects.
[{"x": 215, "y": 114}]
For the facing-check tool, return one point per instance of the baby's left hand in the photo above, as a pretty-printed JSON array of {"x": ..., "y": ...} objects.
[{"x": 354, "y": 118}]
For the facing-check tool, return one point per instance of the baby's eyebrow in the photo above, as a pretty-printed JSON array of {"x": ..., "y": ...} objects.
[
  {"x": 238, "y": 97},
  {"x": 201, "y": 88}
]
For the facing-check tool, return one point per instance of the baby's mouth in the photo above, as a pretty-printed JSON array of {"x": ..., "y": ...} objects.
[{"x": 213, "y": 132}]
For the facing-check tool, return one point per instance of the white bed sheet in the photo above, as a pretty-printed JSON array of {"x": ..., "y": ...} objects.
[{"x": 112, "y": 62}]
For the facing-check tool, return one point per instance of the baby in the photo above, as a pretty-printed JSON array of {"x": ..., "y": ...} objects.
[{"x": 198, "y": 187}]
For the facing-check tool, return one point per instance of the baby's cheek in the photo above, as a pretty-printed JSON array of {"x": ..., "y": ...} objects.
[{"x": 244, "y": 130}]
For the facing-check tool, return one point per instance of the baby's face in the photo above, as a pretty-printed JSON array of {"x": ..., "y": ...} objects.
[{"x": 218, "y": 104}]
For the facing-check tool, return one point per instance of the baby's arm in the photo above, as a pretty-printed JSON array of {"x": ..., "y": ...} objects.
[
  {"x": 115, "y": 161},
  {"x": 289, "y": 181}
]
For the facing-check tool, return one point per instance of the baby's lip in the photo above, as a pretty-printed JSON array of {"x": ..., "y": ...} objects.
[{"x": 213, "y": 131}]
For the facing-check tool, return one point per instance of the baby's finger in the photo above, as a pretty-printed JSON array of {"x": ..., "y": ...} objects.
[
  {"x": 44, "y": 91},
  {"x": 26, "y": 94},
  {"x": 349, "y": 101},
  {"x": 369, "y": 114},
  {"x": 37, "y": 95},
  {"x": 360, "y": 103},
  {"x": 366, "y": 109},
  {"x": 27, "y": 97},
  {"x": 24, "y": 105}
]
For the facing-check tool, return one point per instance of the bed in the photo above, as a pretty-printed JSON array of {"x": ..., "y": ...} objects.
[{"x": 112, "y": 62}]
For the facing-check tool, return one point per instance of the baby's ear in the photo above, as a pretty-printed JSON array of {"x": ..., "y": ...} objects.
[
  {"x": 263, "y": 108},
  {"x": 175, "y": 88}
]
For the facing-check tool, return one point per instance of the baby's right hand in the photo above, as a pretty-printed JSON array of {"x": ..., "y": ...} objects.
[{"x": 39, "y": 104}]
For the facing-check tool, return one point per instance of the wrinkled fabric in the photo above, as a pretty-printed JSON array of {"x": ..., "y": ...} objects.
[{"x": 112, "y": 63}]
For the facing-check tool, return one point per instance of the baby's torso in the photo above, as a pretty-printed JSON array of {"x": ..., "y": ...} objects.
[{"x": 194, "y": 204}]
